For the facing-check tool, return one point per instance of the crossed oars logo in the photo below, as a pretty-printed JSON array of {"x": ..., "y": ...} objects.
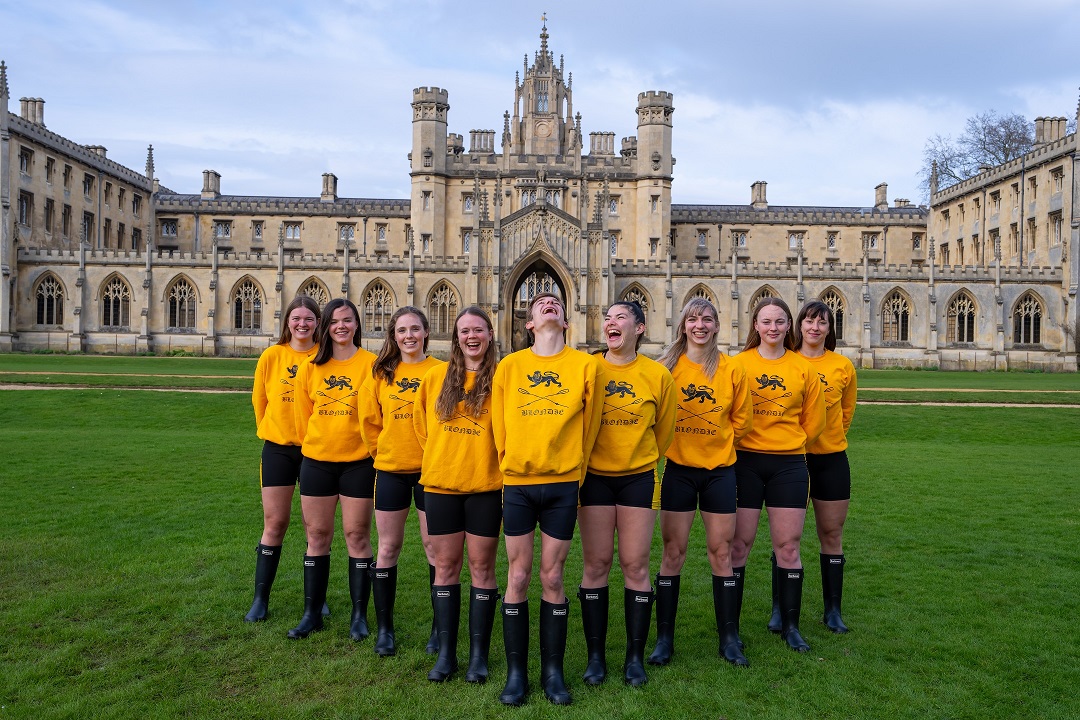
[
  {"x": 756, "y": 394},
  {"x": 691, "y": 414},
  {"x": 292, "y": 376},
  {"x": 466, "y": 416},
  {"x": 337, "y": 383},
  {"x": 538, "y": 398}
]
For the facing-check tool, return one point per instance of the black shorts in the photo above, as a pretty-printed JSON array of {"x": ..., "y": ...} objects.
[
  {"x": 686, "y": 488},
  {"x": 639, "y": 490},
  {"x": 552, "y": 505},
  {"x": 280, "y": 465},
  {"x": 351, "y": 479},
  {"x": 779, "y": 481},
  {"x": 397, "y": 491},
  {"x": 830, "y": 476},
  {"x": 474, "y": 513}
]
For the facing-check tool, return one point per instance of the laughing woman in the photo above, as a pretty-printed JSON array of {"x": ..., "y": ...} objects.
[
  {"x": 386, "y": 418},
  {"x": 789, "y": 415},
  {"x": 273, "y": 396},
  {"x": 462, "y": 489}
]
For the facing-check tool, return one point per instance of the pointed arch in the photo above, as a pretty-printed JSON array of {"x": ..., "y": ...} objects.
[
  {"x": 1027, "y": 318},
  {"x": 699, "y": 291},
  {"x": 442, "y": 308},
  {"x": 539, "y": 271},
  {"x": 636, "y": 293},
  {"x": 182, "y": 299},
  {"x": 765, "y": 291},
  {"x": 315, "y": 289},
  {"x": 49, "y": 296},
  {"x": 836, "y": 302},
  {"x": 960, "y": 318},
  {"x": 247, "y": 299},
  {"x": 896, "y": 317},
  {"x": 378, "y": 305},
  {"x": 115, "y": 296}
]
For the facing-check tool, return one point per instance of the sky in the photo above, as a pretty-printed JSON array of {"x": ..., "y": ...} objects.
[{"x": 822, "y": 100}]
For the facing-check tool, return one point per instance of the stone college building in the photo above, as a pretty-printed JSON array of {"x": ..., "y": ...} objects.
[{"x": 97, "y": 257}]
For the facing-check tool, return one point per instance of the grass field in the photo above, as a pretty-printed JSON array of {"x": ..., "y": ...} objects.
[{"x": 131, "y": 518}]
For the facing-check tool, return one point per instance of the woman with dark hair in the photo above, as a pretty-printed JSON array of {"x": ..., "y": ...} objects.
[
  {"x": 336, "y": 467},
  {"x": 273, "y": 396},
  {"x": 789, "y": 415},
  {"x": 713, "y": 412},
  {"x": 621, "y": 491},
  {"x": 462, "y": 489},
  {"x": 386, "y": 420},
  {"x": 826, "y": 459}
]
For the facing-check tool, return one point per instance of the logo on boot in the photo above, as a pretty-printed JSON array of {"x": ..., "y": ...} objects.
[
  {"x": 664, "y": 583},
  {"x": 836, "y": 561},
  {"x": 729, "y": 583},
  {"x": 592, "y": 596},
  {"x": 510, "y": 611},
  {"x": 360, "y": 565},
  {"x": 641, "y": 598},
  {"x": 266, "y": 551},
  {"x": 794, "y": 575},
  {"x": 483, "y": 596},
  {"x": 309, "y": 563},
  {"x": 442, "y": 593},
  {"x": 382, "y": 575},
  {"x": 558, "y": 612}
]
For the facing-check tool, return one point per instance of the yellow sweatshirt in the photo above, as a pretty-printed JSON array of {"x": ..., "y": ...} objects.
[
  {"x": 327, "y": 420},
  {"x": 840, "y": 388},
  {"x": 789, "y": 407},
  {"x": 386, "y": 417},
  {"x": 545, "y": 414},
  {"x": 274, "y": 393},
  {"x": 459, "y": 454},
  {"x": 712, "y": 415},
  {"x": 637, "y": 421}
]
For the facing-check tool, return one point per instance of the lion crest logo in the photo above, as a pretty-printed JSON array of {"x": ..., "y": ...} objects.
[
  {"x": 292, "y": 371},
  {"x": 545, "y": 378},
  {"x": 701, "y": 393},
  {"x": 408, "y": 384},
  {"x": 770, "y": 381},
  {"x": 621, "y": 388},
  {"x": 338, "y": 383}
]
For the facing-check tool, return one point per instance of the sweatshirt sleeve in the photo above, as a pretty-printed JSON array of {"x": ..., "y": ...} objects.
[
  {"x": 302, "y": 405},
  {"x": 812, "y": 417},
  {"x": 847, "y": 401},
  {"x": 742, "y": 408},
  {"x": 371, "y": 419},
  {"x": 664, "y": 426},
  {"x": 258, "y": 390},
  {"x": 419, "y": 413},
  {"x": 498, "y": 399},
  {"x": 593, "y": 411}
]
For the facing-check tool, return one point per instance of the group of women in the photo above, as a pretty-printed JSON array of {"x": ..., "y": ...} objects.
[{"x": 377, "y": 434}]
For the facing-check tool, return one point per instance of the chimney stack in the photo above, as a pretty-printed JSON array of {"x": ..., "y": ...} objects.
[
  {"x": 211, "y": 184},
  {"x": 329, "y": 187},
  {"x": 757, "y": 195},
  {"x": 881, "y": 201}
]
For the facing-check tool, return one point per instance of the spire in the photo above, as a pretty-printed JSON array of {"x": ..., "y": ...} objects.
[
  {"x": 543, "y": 37},
  {"x": 933, "y": 178},
  {"x": 150, "y": 162},
  {"x": 3, "y": 82}
]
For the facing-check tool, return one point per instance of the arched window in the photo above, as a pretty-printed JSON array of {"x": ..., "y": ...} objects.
[
  {"x": 836, "y": 303},
  {"x": 634, "y": 293},
  {"x": 182, "y": 301},
  {"x": 701, "y": 292},
  {"x": 895, "y": 314},
  {"x": 378, "y": 307},
  {"x": 316, "y": 291},
  {"x": 1027, "y": 320},
  {"x": 765, "y": 292},
  {"x": 442, "y": 309},
  {"x": 247, "y": 307},
  {"x": 50, "y": 301},
  {"x": 116, "y": 305},
  {"x": 533, "y": 285},
  {"x": 961, "y": 319}
]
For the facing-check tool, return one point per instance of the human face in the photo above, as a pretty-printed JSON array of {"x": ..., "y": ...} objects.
[
  {"x": 814, "y": 330},
  {"x": 343, "y": 326},
  {"x": 772, "y": 325},
  {"x": 302, "y": 325},
  {"x": 701, "y": 329},
  {"x": 473, "y": 338},
  {"x": 547, "y": 309},
  {"x": 621, "y": 330},
  {"x": 409, "y": 334}
]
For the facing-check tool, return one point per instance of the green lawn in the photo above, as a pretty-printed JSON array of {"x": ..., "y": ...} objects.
[{"x": 131, "y": 518}]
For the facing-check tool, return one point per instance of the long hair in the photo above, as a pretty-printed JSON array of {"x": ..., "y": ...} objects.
[
  {"x": 639, "y": 317},
  {"x": 670, "y": 357},
  {"x": 453, "y": 387},
  {"x": 816, "y": 309},
  {"x": 326, "y": 345},
  {"x": 753, "y": 338},
  {"x": 300, "y": 301},
  {"x": 390, "y": 355}
]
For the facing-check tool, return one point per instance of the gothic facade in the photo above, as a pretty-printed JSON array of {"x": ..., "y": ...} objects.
[{"x": 97, "y": 257}]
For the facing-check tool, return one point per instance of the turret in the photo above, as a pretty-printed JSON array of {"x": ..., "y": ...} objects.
[
  {"x": 430, "y": 106},
  {"x": 654, "y": 110}
]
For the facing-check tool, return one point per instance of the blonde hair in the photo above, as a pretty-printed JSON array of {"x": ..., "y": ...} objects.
[{"x": 674, "y": 351}]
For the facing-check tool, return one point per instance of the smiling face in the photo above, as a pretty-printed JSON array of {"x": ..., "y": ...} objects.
[
  {"x": 343, "y": 326},
  {"x": 814, "y": 331},
  {"x": 772, "y": 324},
  {"x": 409, "y": 334},
  {"x": 545, "y": 310},
  {"x": 302, "y": 324},
  {"x": 621, "y": 329},
  {"x": 474, "y": 338},
  {"x": 701, "y": 328}
]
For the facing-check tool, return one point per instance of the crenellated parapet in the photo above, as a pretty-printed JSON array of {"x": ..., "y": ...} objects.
[
  {"x": 292, "y": 206},
  {"x": 655, "y": 107},
  {"x": 797, "y": 215},
  {"x": 430, "y": 103}
]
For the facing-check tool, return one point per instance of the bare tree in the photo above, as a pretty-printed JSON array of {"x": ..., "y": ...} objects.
[{"x": 988, "y": 139}]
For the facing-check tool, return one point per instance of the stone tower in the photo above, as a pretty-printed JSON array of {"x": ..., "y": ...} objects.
[
  {"x": 428, "y": 166},
  {"x": 654, "y": 170}
]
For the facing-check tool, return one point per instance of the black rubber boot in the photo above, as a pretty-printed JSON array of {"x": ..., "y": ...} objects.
[
  {"x": 775, "y": 625},
  {"x": 791, "y": 580},
  {"x": 481, "y": 618},
  {"x": 325, "y": 609},
  {"x": 266, "y": 563},
  {"x": 739, "y": 574},
  {"x": 594, "y": 621},
  {"x": 447, "y": 601},
  {"x": 637, "y": 607},
  {"x": 383, "y": 595},
  {"x": 832, "y": 591},
  {"x": 515, "y": 618},
  {"x": 316, "y": 576},
  {"x": 725, "y": 594},
  {"x": 360, "y": 592},
  {"x": 432, "y": 647},
  {"x": 553, "y": 624},
  {"x": 667, "y": 606}
]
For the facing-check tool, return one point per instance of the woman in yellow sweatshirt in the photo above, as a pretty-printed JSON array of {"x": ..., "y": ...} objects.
[
  {"x": 336, "y": 466},
  {"x": 789, "y": 415},
  {"x": 830, "y": 474},
  {"x": 386, "y": 421},
  {"x": 462, "y": 489},
  {"x": 621, "y": 492},
  {"x": 273, "y": 396},
  {"x": 713, "y": 413}
]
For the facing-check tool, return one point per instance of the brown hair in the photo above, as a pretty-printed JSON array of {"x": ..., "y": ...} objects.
[
  {"x": 326, "y": 345},
  {"x": 670, "y": 357},
  {"x": 529, "y": 335},
  {"x": 300, "y": 301},
  {"x": 390, "y": 354},
  {"x": 453, "y": 387},
  {"x": 753, "y": 338},
  {"x": 816, "y": 309},
  {"x": 639, "y": 316}
]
